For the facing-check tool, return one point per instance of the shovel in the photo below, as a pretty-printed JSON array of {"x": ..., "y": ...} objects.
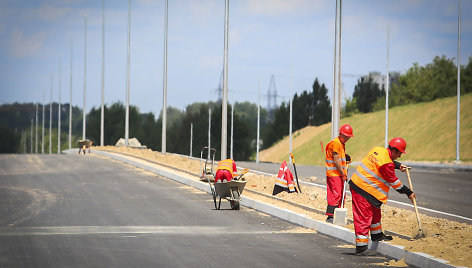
[
  {"x": 421, "y": 232},
  {"x": 295, "y": 169},
  {"x": 340, "y": 214}
]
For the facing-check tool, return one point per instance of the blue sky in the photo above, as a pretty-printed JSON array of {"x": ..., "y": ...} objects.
[{"x": 267, "y": 37}]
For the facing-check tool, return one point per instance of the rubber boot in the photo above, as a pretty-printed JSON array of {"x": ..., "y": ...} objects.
[
  {"x": 381, "y": 236},
  {"x": 364, "y": 251}
]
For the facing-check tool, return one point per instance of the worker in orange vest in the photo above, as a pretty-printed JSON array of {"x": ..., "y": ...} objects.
[
  {"x": 336, "y": 169},
  {"x": 369, "y": 188},
  {"x": 226, "y": 171}
]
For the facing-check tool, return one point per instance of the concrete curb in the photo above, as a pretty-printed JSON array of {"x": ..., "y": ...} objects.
[{"x": 418, "y": 259}]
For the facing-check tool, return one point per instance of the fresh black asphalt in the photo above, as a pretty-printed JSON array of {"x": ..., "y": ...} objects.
[{"x": 89, "y": 211}]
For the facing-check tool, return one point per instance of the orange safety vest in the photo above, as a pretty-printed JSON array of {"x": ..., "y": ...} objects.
[
  {"x": 331, "y": 170},
  {"x": 368, "y": 177},
  {"x": 227, "y": 164}
]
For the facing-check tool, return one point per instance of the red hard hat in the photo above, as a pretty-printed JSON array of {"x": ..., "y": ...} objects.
[
  {"x": 399, "y": 144},
  {"x": 346, "y": 130}
]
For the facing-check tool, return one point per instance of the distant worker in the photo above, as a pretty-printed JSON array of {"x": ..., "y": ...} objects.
[
  {"x": 369, "y": 188},
  {"x": 336, "y": 169},
  {"x": 226, "y": 171}
]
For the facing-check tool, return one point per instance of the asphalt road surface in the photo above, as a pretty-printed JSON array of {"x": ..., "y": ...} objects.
[
  {"x": 88, "y": 211},
  {"x": 442, "y": 190}
]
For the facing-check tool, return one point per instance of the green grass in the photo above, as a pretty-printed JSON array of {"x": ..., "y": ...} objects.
[{"x": 429, "y": 129}]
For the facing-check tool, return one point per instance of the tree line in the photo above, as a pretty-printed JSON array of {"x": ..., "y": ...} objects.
[
  {"x": 437, "y": 79},
  {"x": 311, "y": 107}
]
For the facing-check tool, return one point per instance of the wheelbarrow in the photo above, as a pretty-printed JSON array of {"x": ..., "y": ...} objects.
[
  {"x": 206, "y": 165},
  {"x": 85, "y": 144},
  {"x": 229, "y": 190}
]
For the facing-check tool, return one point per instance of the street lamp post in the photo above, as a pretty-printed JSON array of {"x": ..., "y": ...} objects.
[
  {"x": 164, "y": 98},
  {"x": 127, "y": 76},
  {"x": 102, "y": 115},
  {"x": 84, "y": 120},
  {"x": 59, "y": 110},
  {"x": 224, "y": 108}
]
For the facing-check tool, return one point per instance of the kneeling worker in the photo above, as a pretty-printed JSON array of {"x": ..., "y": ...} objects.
[
  {"x": 226, "y": 171},
  {"x": 369, "y": 188}
]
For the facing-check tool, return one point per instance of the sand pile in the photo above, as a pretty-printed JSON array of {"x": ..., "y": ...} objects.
[{"x": 446, "y": 239}]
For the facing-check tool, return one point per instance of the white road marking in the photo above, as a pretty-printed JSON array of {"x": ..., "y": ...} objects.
[{"x": 90, "y": 230}]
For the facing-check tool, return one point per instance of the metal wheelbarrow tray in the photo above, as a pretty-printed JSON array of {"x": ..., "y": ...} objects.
[{"x": 230, "y": 191}]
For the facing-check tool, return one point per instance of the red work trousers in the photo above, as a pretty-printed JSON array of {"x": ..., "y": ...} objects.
[
  {"x": 223, "y": 175},
  {"x": 366, "y": 218},
  {"x": 334, "y": 192}
]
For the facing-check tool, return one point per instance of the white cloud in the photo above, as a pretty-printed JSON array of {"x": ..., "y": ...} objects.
[{"x": 22, "y": 46}]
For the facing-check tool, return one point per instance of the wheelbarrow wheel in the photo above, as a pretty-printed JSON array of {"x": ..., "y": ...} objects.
[{"x": 235, "y": 203}]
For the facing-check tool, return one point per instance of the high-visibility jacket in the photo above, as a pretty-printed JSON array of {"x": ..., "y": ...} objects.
[
  {"x": 335, "y": 146},
  {"x": 228, "y": 164},
  {"x": 368, "y": 176}
]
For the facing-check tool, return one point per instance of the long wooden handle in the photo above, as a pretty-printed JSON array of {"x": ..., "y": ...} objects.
[
  {"x": 414, "y": 199},
  {"x": 293, "y": 159}
]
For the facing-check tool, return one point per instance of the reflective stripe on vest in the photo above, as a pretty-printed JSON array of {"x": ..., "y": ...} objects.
[
  {"x": 367, "y": 175},
  {"x": 227, "y": 164},
  {"x": 331, "y": 170}
]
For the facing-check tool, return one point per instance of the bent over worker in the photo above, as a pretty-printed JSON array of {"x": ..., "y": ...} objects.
[
  {"x": 336, "y": 169},
  {"x": 226, "y": 171},
  {"x": 369, "y": 188}
]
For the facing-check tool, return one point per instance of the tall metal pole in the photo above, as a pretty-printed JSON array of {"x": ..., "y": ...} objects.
[
  {"x": 338, "y": 110},
  {"x": 232, "y": 118},
  {"x": 42, "y": 125},
  {"x": 23, "y": 138},
  {"x": 225, "y": 87},
  {"x": 209, "y": 132},
  {"x": 458, "y": 123},
  {"x": 127, "y": 77},
  {"x": 84, "y": 120},
  {"x": 388, "y": 86},
  {"x": 36, "y": 132},
  {"x": 23, "y": 135},
  {"x": 70, "y": 98},
  {"x": 333, "y": 101},
  {"x": 164, "y": 90},
  {"x": 31, "y": 143},
  {"x": 59, "y": 110},
  {"x": 291, "y": 115},
  {"x": 191, "y": 138},
  {"x": 258, "y": 118},
  {"x": 102, "y": 117},
  {"x": 50, "y": 120}
]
